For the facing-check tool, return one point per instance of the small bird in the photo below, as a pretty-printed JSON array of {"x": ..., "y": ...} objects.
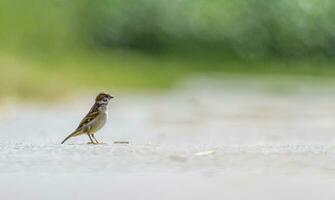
[{"x": 94, "y": 120}]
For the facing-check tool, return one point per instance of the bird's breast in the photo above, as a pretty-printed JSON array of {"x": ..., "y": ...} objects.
[{"x": 99, "y": 122}]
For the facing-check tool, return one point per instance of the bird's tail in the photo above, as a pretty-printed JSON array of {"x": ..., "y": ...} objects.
[{"x": 71, "y": 135}]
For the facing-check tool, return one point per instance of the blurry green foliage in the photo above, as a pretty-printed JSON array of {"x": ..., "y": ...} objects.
[
  {"x": 60, "y": 46},
  {"x": 253, "y": 28}
]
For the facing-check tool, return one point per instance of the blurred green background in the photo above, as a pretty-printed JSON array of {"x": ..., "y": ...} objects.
[{"x": 55, "y": 48}]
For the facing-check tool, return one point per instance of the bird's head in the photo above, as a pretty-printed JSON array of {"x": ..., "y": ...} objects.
[{"x": 103, "y": 98}]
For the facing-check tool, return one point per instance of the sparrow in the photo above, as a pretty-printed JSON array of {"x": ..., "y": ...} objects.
[{"x": 94, "y": 120}]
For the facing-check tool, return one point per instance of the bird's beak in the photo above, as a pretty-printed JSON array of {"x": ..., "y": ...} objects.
[{"x": 111, "y": 97}]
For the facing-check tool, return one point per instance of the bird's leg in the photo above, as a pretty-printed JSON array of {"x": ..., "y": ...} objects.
[
  {"x": 92, "y": 142},
  {"x": 95, "y": 139}
]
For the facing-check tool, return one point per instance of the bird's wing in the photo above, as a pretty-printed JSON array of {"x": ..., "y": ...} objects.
[{"x": 87, "y": 119}]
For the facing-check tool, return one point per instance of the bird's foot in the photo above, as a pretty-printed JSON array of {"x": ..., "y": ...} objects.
[
  {"x": 91, "y": 143},
  {"x": 96, "y": 143},
  {"x": 101, "y": 143}
]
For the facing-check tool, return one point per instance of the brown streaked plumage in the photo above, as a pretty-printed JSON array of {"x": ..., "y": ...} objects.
[{"x": 94, "y": 120}]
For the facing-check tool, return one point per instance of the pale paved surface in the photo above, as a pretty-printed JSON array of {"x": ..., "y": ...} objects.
[{"x": 216, "y": 141}]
